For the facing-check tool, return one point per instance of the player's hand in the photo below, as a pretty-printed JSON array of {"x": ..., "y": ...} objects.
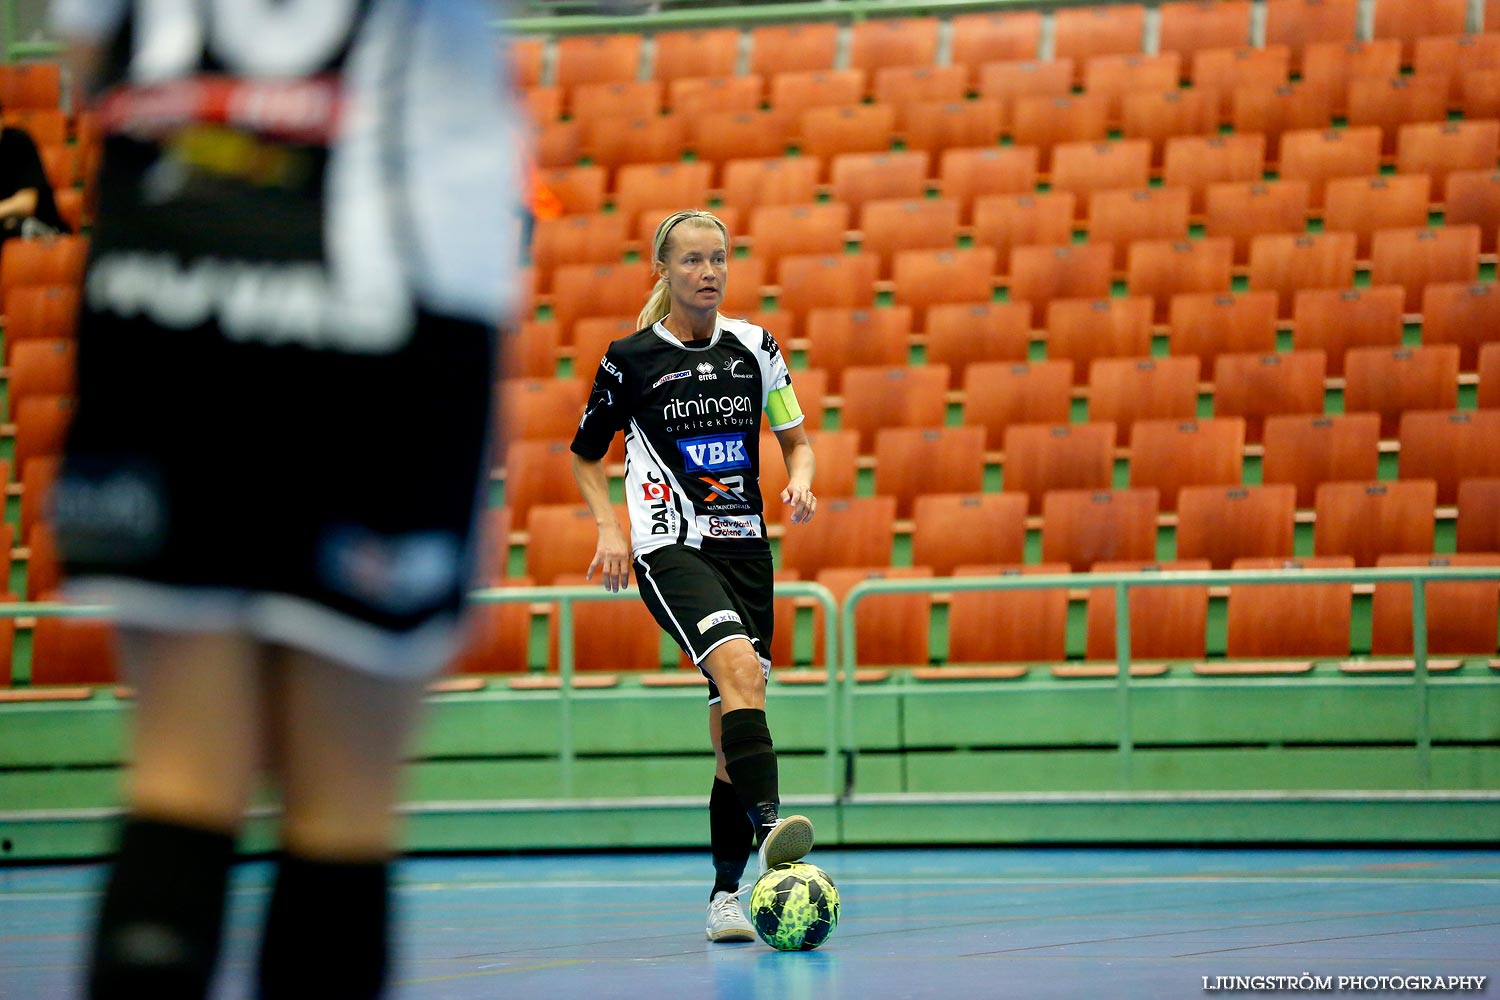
[
  {"x": 612, "y": 559},
  {"x": 800, "y": 498}
]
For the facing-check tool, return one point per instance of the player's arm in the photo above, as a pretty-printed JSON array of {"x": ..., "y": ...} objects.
[
  {"x": 796, "y": 451},
  {"x": 603, "y": 418}
]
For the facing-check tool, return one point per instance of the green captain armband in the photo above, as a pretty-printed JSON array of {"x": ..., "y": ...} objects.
[{"x": 782, "y": 409}]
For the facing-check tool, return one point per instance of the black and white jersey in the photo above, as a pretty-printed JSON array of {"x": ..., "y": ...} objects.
[{"x": 691, "y": 417}]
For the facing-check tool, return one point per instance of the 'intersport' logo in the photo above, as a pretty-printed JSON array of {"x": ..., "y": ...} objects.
[
  {"x": 714, "y": 453},
  {"x": 671, "y": 377},
  {"x": 713, "y": 406}
]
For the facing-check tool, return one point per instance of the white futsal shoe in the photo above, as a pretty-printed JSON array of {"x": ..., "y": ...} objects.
[
  {"x": 726, "y": 921},
  {"x": 789, "y": 840}
]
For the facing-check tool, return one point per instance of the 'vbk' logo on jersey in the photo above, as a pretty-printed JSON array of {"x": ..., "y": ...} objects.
[{"x": 714, "y": 453}]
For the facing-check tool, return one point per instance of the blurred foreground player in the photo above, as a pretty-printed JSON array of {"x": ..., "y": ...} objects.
[{"x": 306, "y": 235}]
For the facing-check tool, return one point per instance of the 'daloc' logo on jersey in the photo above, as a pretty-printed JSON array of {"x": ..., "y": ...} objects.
[{"x": 714, "y": 453}]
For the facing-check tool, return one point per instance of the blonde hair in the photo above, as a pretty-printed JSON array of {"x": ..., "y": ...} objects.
[{"x": 659, "y": 303}]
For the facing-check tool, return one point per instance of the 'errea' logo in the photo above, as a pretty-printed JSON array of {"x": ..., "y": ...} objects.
[{"x": 714, "y": 453}]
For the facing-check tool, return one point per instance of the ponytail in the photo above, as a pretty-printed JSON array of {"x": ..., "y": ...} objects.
[{"x": 659, "y": 303}]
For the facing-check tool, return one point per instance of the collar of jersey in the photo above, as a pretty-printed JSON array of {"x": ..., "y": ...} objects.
[{"x": 661, "y": 331}]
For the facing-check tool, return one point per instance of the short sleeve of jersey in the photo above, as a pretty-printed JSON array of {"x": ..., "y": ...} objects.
[
  {"x": 93, "y": 20},
  {"x": 780, "y": 402},
  {"x": 608, "y": 410}
]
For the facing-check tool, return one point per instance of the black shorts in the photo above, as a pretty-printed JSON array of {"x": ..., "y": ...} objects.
[
  {"x": 703, "y": 601},
  {"x": 316, "y": 498}
]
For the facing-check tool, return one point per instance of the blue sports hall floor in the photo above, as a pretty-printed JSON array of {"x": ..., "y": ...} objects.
[{"x": 974, "y": 923}]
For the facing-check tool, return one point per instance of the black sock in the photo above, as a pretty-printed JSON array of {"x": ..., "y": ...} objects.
[
  {"x": 163, "y": 913},
  {"x": 326, "y": 935},
  {"x": 751, "y": 762},
  {"x": 730, "y": 837}
]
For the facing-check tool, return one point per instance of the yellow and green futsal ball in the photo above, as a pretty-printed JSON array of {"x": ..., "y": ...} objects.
[{"x": 794, "y": 907}]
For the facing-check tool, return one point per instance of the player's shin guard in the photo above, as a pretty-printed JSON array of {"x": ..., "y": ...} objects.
[
  {"x": 327, "y": 932},
  {"x": 162, "y": 915},
  {"x": 731, "y": 836},
  {"x": 751, "y": 762}
]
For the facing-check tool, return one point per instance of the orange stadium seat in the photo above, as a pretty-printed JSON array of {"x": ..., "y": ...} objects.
[
  {"x": 778, "y": 231},
  {"x": 597, "y": 238},
  {"x": 1168, "y": 455},
  {"x": 896, "y": 83},
  {"x": 1196, "y": 161},
  {"x": 537, "y": 472},
  {"x": 1298, "y": 24},
  {"x": 1083, "y": 527},
  {"x": 1413, "y": 257},
  {"x": 40, "y": 312},
  {"x": 580, "y": 189},
  {"x": 1391, "y": 103},
  {"x": 796, "y": 92},
  {"x": 36, "y": 486},
  {"x": 1007, "y": 222},
  {"x": 546, "y": 408},
  {"x": 1039, "y": 274},
  {"x": 1477, "y": 528},
  {"x": 615, "y": 142},
  {"x": 837, "y": 451},
  {"x": 999, "y": 394},
  {"x": 659, "y": 185},
  {"x": 925, "y": 278},
  {"x": 698, "y": 53},
  {"x": 1226, "y": 70},
  {"x": 34, "y": 262},
  {"x": 1086, "y": 167},
  {"x": 41, "y": 368},
  {"x": 781, "y": 48},
  {"x": 700, "y": 95},
  {"x": 1124, "y": 390},
  {"x": 1224, "y": 523},
  {"x": 1159, "y": 116},
  {"x": 1008, "y": 82},
  {"x": 1080, "y": 330},
  {"x": 1080, "y": 33},
  {"x": 1481, "y": 94},
  {"x": 1044, "y": 457},
  {"x": 1285, "y": 620},
  {"x": 950, "y": 529},
  {"x": 1488, "y": 397},
  {"x": 864, "y": 128},
  {"x": 910, "y": 461},
  {"x": 74, "y": 651},
  {"x": 33, "y": 86},
  {"x": 499, "y": 637},
  {"x": 1166, "y": 269},
  {"x": 598, "y": 290},
  {"x": 46, "y": 126},
  {"x": 858, "y": 178},
  {"x": 877, "y": 397},
  {"x": 1045, "y": 122},
  {"x": 1115, "y": 76},
  {"x": 966, "y": 175},
  {"x": 1410, "y": 22},
  {"x": 1333, "y": 320},
  {"x": 1391, "y": 381},
  {"x": 934, "y": 128},
  {"x": 41, "y": 426},
  {"x": 730, "y": 135},
  {"x": 558, "y": 144},
  {"x": 1473, "y": 197},
  {"x": 543, "y": 104},
  {"x": 1287, "y": 264},
  {"x": 531, "y": 350},
  {"x": 1166, "y": 623},
  {"x": 590, "y": 102},
  {"x": 1333, "y": 66},
  {"x": 583, "y": 59},
  {"x": 1463, "y": 313},
  {"x": 1257, "y": 385},
  {"x": 1272, "y": 110},
  {"x": 1361, "y": 205},
  {"x": 1460, "y": 617},
  {"x": 1439, "y": 148},
  {"x": 895, "y": 41},
  {"x": 1190, "y": 25},
  {"x": 607, "y": 635},
  {"x": 1125, "y": 215},
  {"x": 1319, "y": 155},
  {"x": 1245, "y": 211},
  {"x": 571, "y": 538},
  {"x": 1008, "y": 626},
  {"x": 752, "y": 183},
  {"x": 841, "y": 337},
  {"x": 891, "y": 225},
  {"x": 963, "y": 333},
  {"x": 1307, "y": 450},
  {"x": 592, "y": 337},
  {"x": 890, "y": 629},
  {"x": 810, "y": 282},
  {"x": 1449, "y": 446},
  {"x": 526, "y": 57},
  {"x": 849, "y": 531},
  {"x": 1366, "y": 520},
  {"x": 1207, "y": 325},
  {"x": 992, "y": 36},
  {"x": 1458, "y": 57}
]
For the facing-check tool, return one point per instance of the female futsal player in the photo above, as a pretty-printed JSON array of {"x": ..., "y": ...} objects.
[
  {"x": 688, "y": 391},
  {"x": 307, "y": 211}
]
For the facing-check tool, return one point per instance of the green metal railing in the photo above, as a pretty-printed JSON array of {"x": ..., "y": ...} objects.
[{"x": 1418, "y": 577}]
